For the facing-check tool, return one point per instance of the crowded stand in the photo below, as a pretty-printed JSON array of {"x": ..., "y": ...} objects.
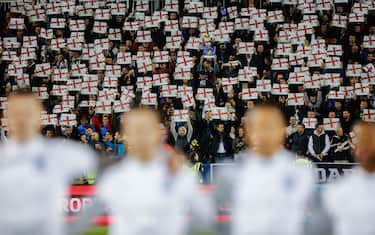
[{"x": 201, "y": 64}]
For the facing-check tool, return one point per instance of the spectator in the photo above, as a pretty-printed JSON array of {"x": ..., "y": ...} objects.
[
  {"x": 183, "y": 136},
  {"x": 299, "y": 141},
  {"x": 239, "y": 142},
  {"x": 221, "y": 145},
  {"x": 292, "y": 128},
  {"x": 340, "y": 147},
  {"x": 319, "y": 144},
  {"x": 346, "y": 121}
]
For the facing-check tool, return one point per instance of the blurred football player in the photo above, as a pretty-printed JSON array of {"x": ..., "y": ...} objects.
[
  {"x": 350, "y": 202},
  {"x": 148, "y": 192},
  {"x": 34, "y": 172},
  {"x": 270, "y": 191}
]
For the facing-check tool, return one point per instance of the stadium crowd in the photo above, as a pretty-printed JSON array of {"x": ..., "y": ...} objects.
[{"x": 201, "y": 64}]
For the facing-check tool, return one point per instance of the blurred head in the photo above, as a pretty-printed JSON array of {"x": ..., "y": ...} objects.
[
  {"x": 339, "y": 132},
  {"x": 142, "y": 134},
  {"x": 365, "y": 146},
  {"x": 265, "y": 128},
  {"x": 319, "y": 128},
  {"x": 181, "y": 131},
  {"x": 300, "y": 129},
  {"x": 23, "y": 115}
]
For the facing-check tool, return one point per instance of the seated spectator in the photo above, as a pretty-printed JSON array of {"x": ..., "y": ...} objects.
[
  {"x": 319, "y": 144},
  {"x": 299, "y": 141},
  {"x": 340, "y": 147},
  {"x": 221, "y": 145}
]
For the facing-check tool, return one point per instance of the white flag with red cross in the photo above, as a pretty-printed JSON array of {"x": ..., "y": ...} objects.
[
  {"x": 209, "y": 13},
  {"x": 74, "y": 84},
  {"x": 247, "y": 74},
  {"x": 336, "y": 95},
  {"x": 187, "y": 100},
  {"x": 160, "y": 79},
  {"x": 42, "y": 70},
  {"x": 49, "y": 119},
  {"x": 280, "y": 89},
  {"x": 3, "y": 103},
  {"x": 182, "y": 73},
  {"x": 16, "y": 23},
  {"x": 295, "y": 99},
  {"x": 368, "y": 115},
  {"x": 280, "y": 64},
  {"x": 68, "y": 100},
  {"x": 68, "y": 119},
  {"x": 246, "y": 48},
  {"x": 348, "y": 91},
  {"x": 110, "y": 82},
  {"x": 23, "y": 80},
  {"x": 173, "y": 42},
  {"x": 40, "y": 92},
  {"x": 353, "y": 70},
  {"x": 131, "y": 26},
  {"x": 331, "y": 124},
  {"x": 298, "y": 78},
  {"x": 168, "y": 91},
  {"x": 220, "y": 113},
  {"x": 149, "y": 98},
  {"x": 204, "y": 93},
  {"x": 310, "y": 123},
  {"x": 339, "y": 21},
  {"x": 249, "y": 94},
  {"x": 60, "y": 75},
  {"x": 120, "y": 106},
  {"x": 160, "y": 57},
  {"x": 181, "y": 115},
  {"x": 59, "y": 108},
  {"x": 103, "y": 107},
  {"x": 124, "y": 58},
  {"x": 144, "y": 82},
  {"x": 362, "y": 89},
  {"x": 59, "y": 90},
  {"x": 313, "y": 82}
]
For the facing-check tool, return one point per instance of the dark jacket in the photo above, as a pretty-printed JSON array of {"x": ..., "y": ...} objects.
[
  {"x": 299, "y": 143},
  {"x": 227, "y": 141}
]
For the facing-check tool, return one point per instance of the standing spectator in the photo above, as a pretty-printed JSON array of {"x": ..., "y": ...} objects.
[
  {"x": 299, "y": 141},
  {"x": 183, "y": 136},
  {"x": 319, "y": 144},
  {"x": 221, "y": 145},
  {"x": 340, "y": 146},
  {"x": 346, "y": 121},
  {"x": 292, "y": 128},
  {"x": 239, "y": 142}
]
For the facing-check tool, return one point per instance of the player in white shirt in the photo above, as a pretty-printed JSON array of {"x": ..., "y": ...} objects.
[
  {"x": 148, "y": 192},
  {"x": 350, "y": 202},
  {"x": 34, "y": 172},
  {"x": 270, "y": 191}
]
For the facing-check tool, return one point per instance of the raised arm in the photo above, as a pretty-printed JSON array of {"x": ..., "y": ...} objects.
[
  {"x": 173, "y": 129},
  {"x": 190, "y": 130}
]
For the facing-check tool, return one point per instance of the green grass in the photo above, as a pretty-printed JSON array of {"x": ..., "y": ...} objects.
[{"x": 104, "y": 231}]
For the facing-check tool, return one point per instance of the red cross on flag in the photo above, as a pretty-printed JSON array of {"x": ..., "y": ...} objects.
[
  {"x": 336, "y": 95},
  {"x": 131, "y": 26},
  {"x": 194, "y": 7},
  {"x": 160, "y": 79},
  {"x": 103, "y": 107},
  {"x": 353, "y": 70},
  {"x": 333, "y": 62},
  {"x": 369, "y": 41},
  {"x": 114, "y": 34},
  {"x": 161, "y": 57},
  {"x": 334, "y": 50},
  {"x": 59, "y": 108},
  {"x": 40, "y": 92},
  {"x": 107, "y": 94},
  {"x": 142, "y": 5},
  {"x": 74, "y": 84},
  {"x": 264, "y": 85},
  {"x": 249, "y": 94},
  {"x": 283, "y": 49},
  {"x": 68, "y": 119},
  {"x": 260, "y": 14},
  {"x": 280, "y": 64},
  {"x": 369, "y": 68},
  {"x": 68, "y": 100},
  {"x": 144, "y": 82},
  {"x": 110, "y": 82},
  {"x": 151, "y": 21},
  {"x": 84, "y": 11},
  {"x": 185, "y": 61},
  {"x": 60, "y": 75},
  {"x": 368, "y": 115},
  {"x": 310, "y": 123},
  {"x": 209, "y": 13},
  {"x": 187, "y": 100},
  {"x": 295, "y": 99},
  {"x": 42, "y": 70},
  {"x": 15, "y": 69},
  {"x": 78, "y": 70},
  {"x": 124, "y": 58},
  {"x": 246, "y": 48},
  {"x": 57, "y": 23},
  {"x": 204, "y": 93},
  {"x": 57, "y": 44},
  {"x": 331, "y": 79},
  {"x": 194, "y": 43},
  {"x": 182, "y": 73},
  {"x": 113, "y": 71},
  {"x": 245, "y": 11},
  {"x": 190, "y": 22},
  {"x": 74, "y": 45},
  {"x": 171, "y": 26},
  {"x": 102, "y": 14},
  {"x": 284, "y": 37},
  {"x": 296, "y": 59},
  {"x": 29, "y": 41},
  {"x": 148, "y": 98},
  {"x": 362, "y": 89},
  {"x": 9, "y": 55},
  {"x": 100, "y": 27},
  {"x": 275, "y": 16},
  {"x": 119, "y": 106},
  {"x": 348, "y": 91},
  {"x": 220, "y": 113},
  {"x": 16, "y": 23},
  {"x": 181, "y": 115},
  {"x": 118, "y": 9},
  {"x": 127, "y": 95},
  {"x": 331, "y": 124},
  {"x": 23, "y": 80},
  {"x": 49, "y": 119},
  {"x": 144, "y": 66},
  {"x": 280, "y": 89},
  {"x": 59, "y": 90},
  {"x": 313, "y": 82},
  {"x": 232, "y": 12},
  {"x": 169, "y": 91},
  {"x": 356, "y": 18},
  {"x": 89, "y": 88},
  {"x": 339, "y": 21},
  {"x": 77, "y": 25},
  {"x": 173, "y": 42},
  {"x": 247, "y": 74},
  {"x": 171, "y": 5}
]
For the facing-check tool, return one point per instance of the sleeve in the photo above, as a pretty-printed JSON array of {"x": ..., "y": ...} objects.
[
  {"x": 189, "y": 130},
  {"x": 173, "y": 129},
  {"x": 327, "y": 147},
  {"x": 74, "y": 158},
  {"x": 310, "y": 146}
]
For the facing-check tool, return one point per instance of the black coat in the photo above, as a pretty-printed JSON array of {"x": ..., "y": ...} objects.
[
  {"x": 228, "y": 143},
  {"x": 299, "y": 143}
]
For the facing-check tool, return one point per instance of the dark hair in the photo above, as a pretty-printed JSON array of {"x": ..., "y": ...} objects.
[{"x": 22, "y": 92}]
